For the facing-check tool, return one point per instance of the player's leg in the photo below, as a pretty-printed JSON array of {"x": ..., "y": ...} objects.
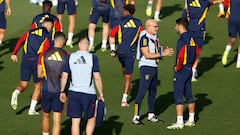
[
  {"x": 60, "y": 11},
  {"x": 20, "y": 88},
  {"x": 45, "y": 123},
  {"x": 179, "y": 81},
  {"x": 238, "y": 56},
  {"x": 158, "y": 10},
  {"x": 71, "y": 8},
  {"x": 91, "y": 35},
  {"x": 2, "y": 34},
  {"x": 56, "y": 123},
  {"x": 149, "y": 8},
  {"x": 75, "y": 129},
  {"x": 151, "y": 96},
  {"x": 105, "y": 34},
  {"x": 90, "y": 126},
  {"x": 35, "y": 98}
]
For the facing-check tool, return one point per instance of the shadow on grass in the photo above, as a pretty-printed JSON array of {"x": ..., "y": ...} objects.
[
  {"x": 7, "y": 45},
  {"x": 1, "y": 63},
  {"x": 201, "y": 101},
  {"x": 110, "y": 126},
  {"x": 169, "y": 10},
  {"x": 207, "y": 63}
]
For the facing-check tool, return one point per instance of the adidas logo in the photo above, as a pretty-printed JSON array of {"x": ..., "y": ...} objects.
[
  {"x": 195, "y": 3},
  {"x": 55, "y": 57},
  {"x": 130, "y": 24},
  {"x": 192, "y": 42}
]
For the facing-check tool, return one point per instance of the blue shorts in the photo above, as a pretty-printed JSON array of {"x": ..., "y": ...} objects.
[
  {"x": 69, "y": 4},
  {"x": 113, "y": 21},
  {"x": 28, "y": 68},
  {"x": 233, "y": 29},
  {"x": 95, "y": 14},
  {"x": 3, "y": 21},
  {"x": 183, "y": 85},
  {"x": 199, "y": 37},
  {"x": 51, "y": 102},
  {"x": 79, "y": 103},
  {"x": 127, "y": 60}
]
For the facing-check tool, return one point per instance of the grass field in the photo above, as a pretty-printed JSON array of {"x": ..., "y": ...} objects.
[{"x": 216, "y": 93}]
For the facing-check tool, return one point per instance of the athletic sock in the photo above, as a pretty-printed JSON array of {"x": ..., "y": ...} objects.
[
  {"x": 156, "y": 15},
  {"x": 104, "y": 43},
  {"x": 91, "y": 40},
  {"x": 70, "y": 36},
  {"x": 221, "y": 7},
  {"x": 45, "y": 133},
  {"x": 16, "y": 91},
  {"x": 33, "y": 105},
  {"x": 228, "y": 48},
  {"x": 179, "y": 119},
  {"x": 191, "y": 117},
  {"x": 124, "y": 98}
]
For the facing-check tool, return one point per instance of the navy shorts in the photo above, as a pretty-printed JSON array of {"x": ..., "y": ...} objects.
[
  {"x": 79, "y": 103},
  {"x": 95, "y": 14},
  {"x": 127, "y": 60},
  {"x": 69, "y": 4},
  {"x": 183, "y": 85},
  {"x": 233, "y": 29},
  {"x": 199, "y": 37},
  {"x": 113, "y": 21},
  {"x": 3, "y": 21},
  {"x": 28, "y": 68},
  {"x": 51, "y": 102}
]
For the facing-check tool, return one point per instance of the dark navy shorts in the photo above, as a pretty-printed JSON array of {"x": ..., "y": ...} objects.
[
  {"x": 69, "y": 4},
  {"x": 28, "y": 68},
  {"x": 3, "y": 21},
  {"x": 233, "y": 29},
  {"x": 95, "y": 14},
  {"x": 79, "y": 103},
  {"x": 51, "y": 102},
  {"x": 127, "y": 60}
]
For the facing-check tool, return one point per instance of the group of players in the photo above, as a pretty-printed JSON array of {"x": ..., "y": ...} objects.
[{"x": 119, "y": 14}]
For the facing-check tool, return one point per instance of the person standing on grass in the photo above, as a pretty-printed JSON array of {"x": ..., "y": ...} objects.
[
  {"x": 34, "y": 42},
  {"x": 128, "y": 31},
  {"x": 84, "y": 69},
  {"x": 187, "y": 53},
  {"x": 50, "y": 66},
  {"x": 149, "y": 54}
]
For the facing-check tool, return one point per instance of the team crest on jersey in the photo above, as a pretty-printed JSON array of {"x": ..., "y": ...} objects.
[
  {"x": 192, "y": 42},
  {"x": 174, "y": 79},
  {"x": 195, "y": 3},
  {"x": 145, "y": 42},
  {"x": 147, "y": 76}
]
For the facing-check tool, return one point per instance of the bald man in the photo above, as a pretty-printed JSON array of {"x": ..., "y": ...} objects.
[{"x": 149, "y": 54}]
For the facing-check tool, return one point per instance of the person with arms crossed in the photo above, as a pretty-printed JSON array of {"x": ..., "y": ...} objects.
[
  {"x": 50, "y": 66},
  {"x": 38, "y": 19},
  {"x": 3, "y": 14},
  {"x": 187, "y": 53},
  {"x": 149, "y": 54},
  {"x": 128, "y": 31},
  {"x": 71, "y": 8},
  {"x": 233, "y": 31},
  {"x": 100, "y": 8},
  {"x": 157, "y": 9},
  {"x": 35, "y": 41},
  {"x": 84, "y": 69}
]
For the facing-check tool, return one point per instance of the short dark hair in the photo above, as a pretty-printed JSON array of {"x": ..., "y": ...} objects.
[
  {"x": 183, "y": 21},
  {"x": 48, "y": 20},
  {"x": 130, "y": 8},
  {"x": 59, "y": 34},
  {"x": 47, "y": 3}
]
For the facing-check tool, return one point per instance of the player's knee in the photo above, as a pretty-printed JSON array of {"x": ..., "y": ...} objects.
[
  {"x": 178, "y": 101},
  {"x": 190, "y": 99}
]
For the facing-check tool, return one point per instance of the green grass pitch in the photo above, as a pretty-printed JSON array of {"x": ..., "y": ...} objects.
[{"x": 216, "y": 93}]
